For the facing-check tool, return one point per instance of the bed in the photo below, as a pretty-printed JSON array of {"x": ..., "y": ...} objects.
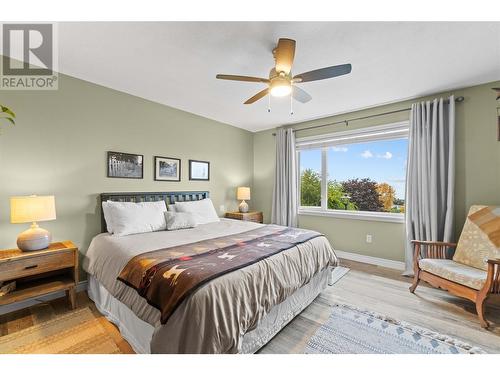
[{"x": 236, "y": 312}]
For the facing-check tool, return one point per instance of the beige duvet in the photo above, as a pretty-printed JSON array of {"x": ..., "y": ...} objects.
[{"x": 209, "y": 321}]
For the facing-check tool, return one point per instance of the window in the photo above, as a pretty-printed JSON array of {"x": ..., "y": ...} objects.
[
  {"x": 311, "y": 177},
  {"x": 357, "y": 174}
]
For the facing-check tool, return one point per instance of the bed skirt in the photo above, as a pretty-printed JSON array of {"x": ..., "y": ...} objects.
[{"x": 139, "y": 333}]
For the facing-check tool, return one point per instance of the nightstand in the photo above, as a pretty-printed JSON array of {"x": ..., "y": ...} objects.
[
  {"x": 255, "y": 216},
  {"x": 40, "y": 272}
]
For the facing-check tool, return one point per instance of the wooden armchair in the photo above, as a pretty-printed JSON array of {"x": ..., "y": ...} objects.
[{"x": 473, "y": 271}]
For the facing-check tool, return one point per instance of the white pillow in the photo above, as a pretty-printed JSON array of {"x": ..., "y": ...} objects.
[
  {"x": 171, "y": 207},
  {"x": 131, "y": 218},
  {"x": 107, "y": 216},
  {"x": 180, "y": 220},
  {"x": 204, "y": 208}
]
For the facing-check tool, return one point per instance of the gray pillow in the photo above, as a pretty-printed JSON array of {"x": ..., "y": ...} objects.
[{"x": 180, "y": 220}]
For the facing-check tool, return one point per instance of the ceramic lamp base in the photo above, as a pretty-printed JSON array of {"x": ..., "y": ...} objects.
[
  {"x": 34, "y": 238},
  {"x": 243, "y": 207}
]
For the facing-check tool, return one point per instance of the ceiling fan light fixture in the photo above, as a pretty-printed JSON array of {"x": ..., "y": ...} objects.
[
  {"x": 281, "y": 82},
  {"x": 280, "y": 87}
]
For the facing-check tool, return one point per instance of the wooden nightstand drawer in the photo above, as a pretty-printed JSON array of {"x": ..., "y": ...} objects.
[
  {"x": 27, "y": 266},
  {"x": 254, "y": 216}
]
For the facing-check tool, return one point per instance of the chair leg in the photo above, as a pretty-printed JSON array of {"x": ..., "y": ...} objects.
[
  {"x": 480, "y": 311},
  {"x": 416, "y": 280}
]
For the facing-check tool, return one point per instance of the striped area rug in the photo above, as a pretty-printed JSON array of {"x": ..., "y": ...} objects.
[
  {"x": 77, "y": 332},
  {"x": 351, "y": 330}
]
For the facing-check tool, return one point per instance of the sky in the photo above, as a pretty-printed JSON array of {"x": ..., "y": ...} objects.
[{"x": 382, "y": 161}]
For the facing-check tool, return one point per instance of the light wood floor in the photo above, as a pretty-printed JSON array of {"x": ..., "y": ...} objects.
[
  {"x": 385, "y": 291},
  {"x": 375, "y": 288}
]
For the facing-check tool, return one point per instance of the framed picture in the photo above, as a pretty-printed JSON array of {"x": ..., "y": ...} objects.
[
  {"x": 498, "y": 123},
  {"x": 498, "y": 131},
  {"x": 199, "y": 170},
  {"x": 167, "y": 169},
  {"x": 122, "y": 165}
]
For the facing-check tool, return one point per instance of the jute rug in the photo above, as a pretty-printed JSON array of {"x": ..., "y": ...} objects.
[
  {"x": 350, "y": 330},
  {"x": 77, "y": 332}
]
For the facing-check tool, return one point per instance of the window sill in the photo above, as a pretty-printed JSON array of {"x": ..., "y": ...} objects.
[{"x": 356, "y": 215}]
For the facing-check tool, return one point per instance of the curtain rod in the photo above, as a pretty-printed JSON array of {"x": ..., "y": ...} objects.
[{"x": 346, "y": 122}]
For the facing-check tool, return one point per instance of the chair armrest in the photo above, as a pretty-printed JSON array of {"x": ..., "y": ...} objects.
[
  {"x": 493, "y": 278},
  {"x": 434, "y": 249},
  {"x": 438, "y": 243}
]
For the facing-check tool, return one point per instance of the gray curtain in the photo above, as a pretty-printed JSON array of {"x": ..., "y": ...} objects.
[
  {"x": 285, "y": 198},
  {"x": 430, "y": 174}
]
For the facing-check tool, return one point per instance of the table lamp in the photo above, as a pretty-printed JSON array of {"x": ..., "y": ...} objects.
[
  {"x": 243, "y": 193},
  {"x": 30, "y": 209}
]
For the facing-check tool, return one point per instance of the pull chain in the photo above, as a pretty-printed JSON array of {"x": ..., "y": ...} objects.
[
  {"x": 269, "y": 103},
  {"x": 291, "y": 104}
]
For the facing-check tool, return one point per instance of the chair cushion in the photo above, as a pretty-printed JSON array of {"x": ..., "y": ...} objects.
[
  {"x": 450, "y": 270},
  {"x": 480, "y": 238}
]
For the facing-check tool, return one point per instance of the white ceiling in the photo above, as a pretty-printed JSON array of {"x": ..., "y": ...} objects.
[{"x": 175, "y": 63}]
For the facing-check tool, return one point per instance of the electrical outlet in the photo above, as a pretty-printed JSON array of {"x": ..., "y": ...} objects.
[
  {"x": 368, "y": 238},
  {"x": 222, "y": 208}
]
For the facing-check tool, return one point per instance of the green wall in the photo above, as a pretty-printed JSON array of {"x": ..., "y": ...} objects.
[
  {"x": 60, "y": 141},
  {"x": 477, "y": 171},
  {"x": 59, "y": 147}
]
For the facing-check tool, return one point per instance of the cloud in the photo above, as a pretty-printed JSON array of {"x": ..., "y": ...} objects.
[
  {"x": 397, "y": 180},
  {"x": 339, "y": 149},
  {"x": 367, "y": 154},
  {"x": 387, "y": 155}
]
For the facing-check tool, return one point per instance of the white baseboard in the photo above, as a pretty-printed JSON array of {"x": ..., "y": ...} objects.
[
  {"x": 397, "y": 265},
  {"x": 82, "y": 285}
]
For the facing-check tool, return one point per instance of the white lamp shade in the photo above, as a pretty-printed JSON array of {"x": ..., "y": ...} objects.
[
  {"x": 243, "y": 193},
  {"x": 32, "y": 208}
]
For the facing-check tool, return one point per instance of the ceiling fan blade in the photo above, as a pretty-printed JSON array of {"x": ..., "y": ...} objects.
[
  {"x": 257, "y": 96},
  {"x": 300, "y": 95},
  {"x": 241, "y": 78},
  {"x": 324, "y": 73},
  {"x": 284, "y": 54}
]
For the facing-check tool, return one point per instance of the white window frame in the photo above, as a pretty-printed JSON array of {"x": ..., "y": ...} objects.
[{"x": 397, "y": 130}]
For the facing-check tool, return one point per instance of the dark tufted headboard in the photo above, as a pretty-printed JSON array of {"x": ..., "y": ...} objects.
[{"x": 169, "y": 197}]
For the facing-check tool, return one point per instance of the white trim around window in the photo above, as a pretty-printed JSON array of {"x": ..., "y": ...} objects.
[
  {"x": 354, "y": 215},
  {"x": 396, "y": 130}
]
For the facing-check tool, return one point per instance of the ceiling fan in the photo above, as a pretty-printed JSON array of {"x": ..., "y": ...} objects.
[{"x": 281, "y": 82}]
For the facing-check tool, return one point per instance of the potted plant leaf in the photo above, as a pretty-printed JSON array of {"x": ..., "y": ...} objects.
[{"x": 7, "y": 115}]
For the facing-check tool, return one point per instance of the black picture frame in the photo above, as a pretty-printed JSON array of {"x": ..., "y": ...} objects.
[
  {"x": 114, "y": 170},
  {"x": 498, "y": 130},
  {"x": 157, "y": 177},
  {"x": 192, "y": 170},
  {"x": 498, "y": 123}
]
